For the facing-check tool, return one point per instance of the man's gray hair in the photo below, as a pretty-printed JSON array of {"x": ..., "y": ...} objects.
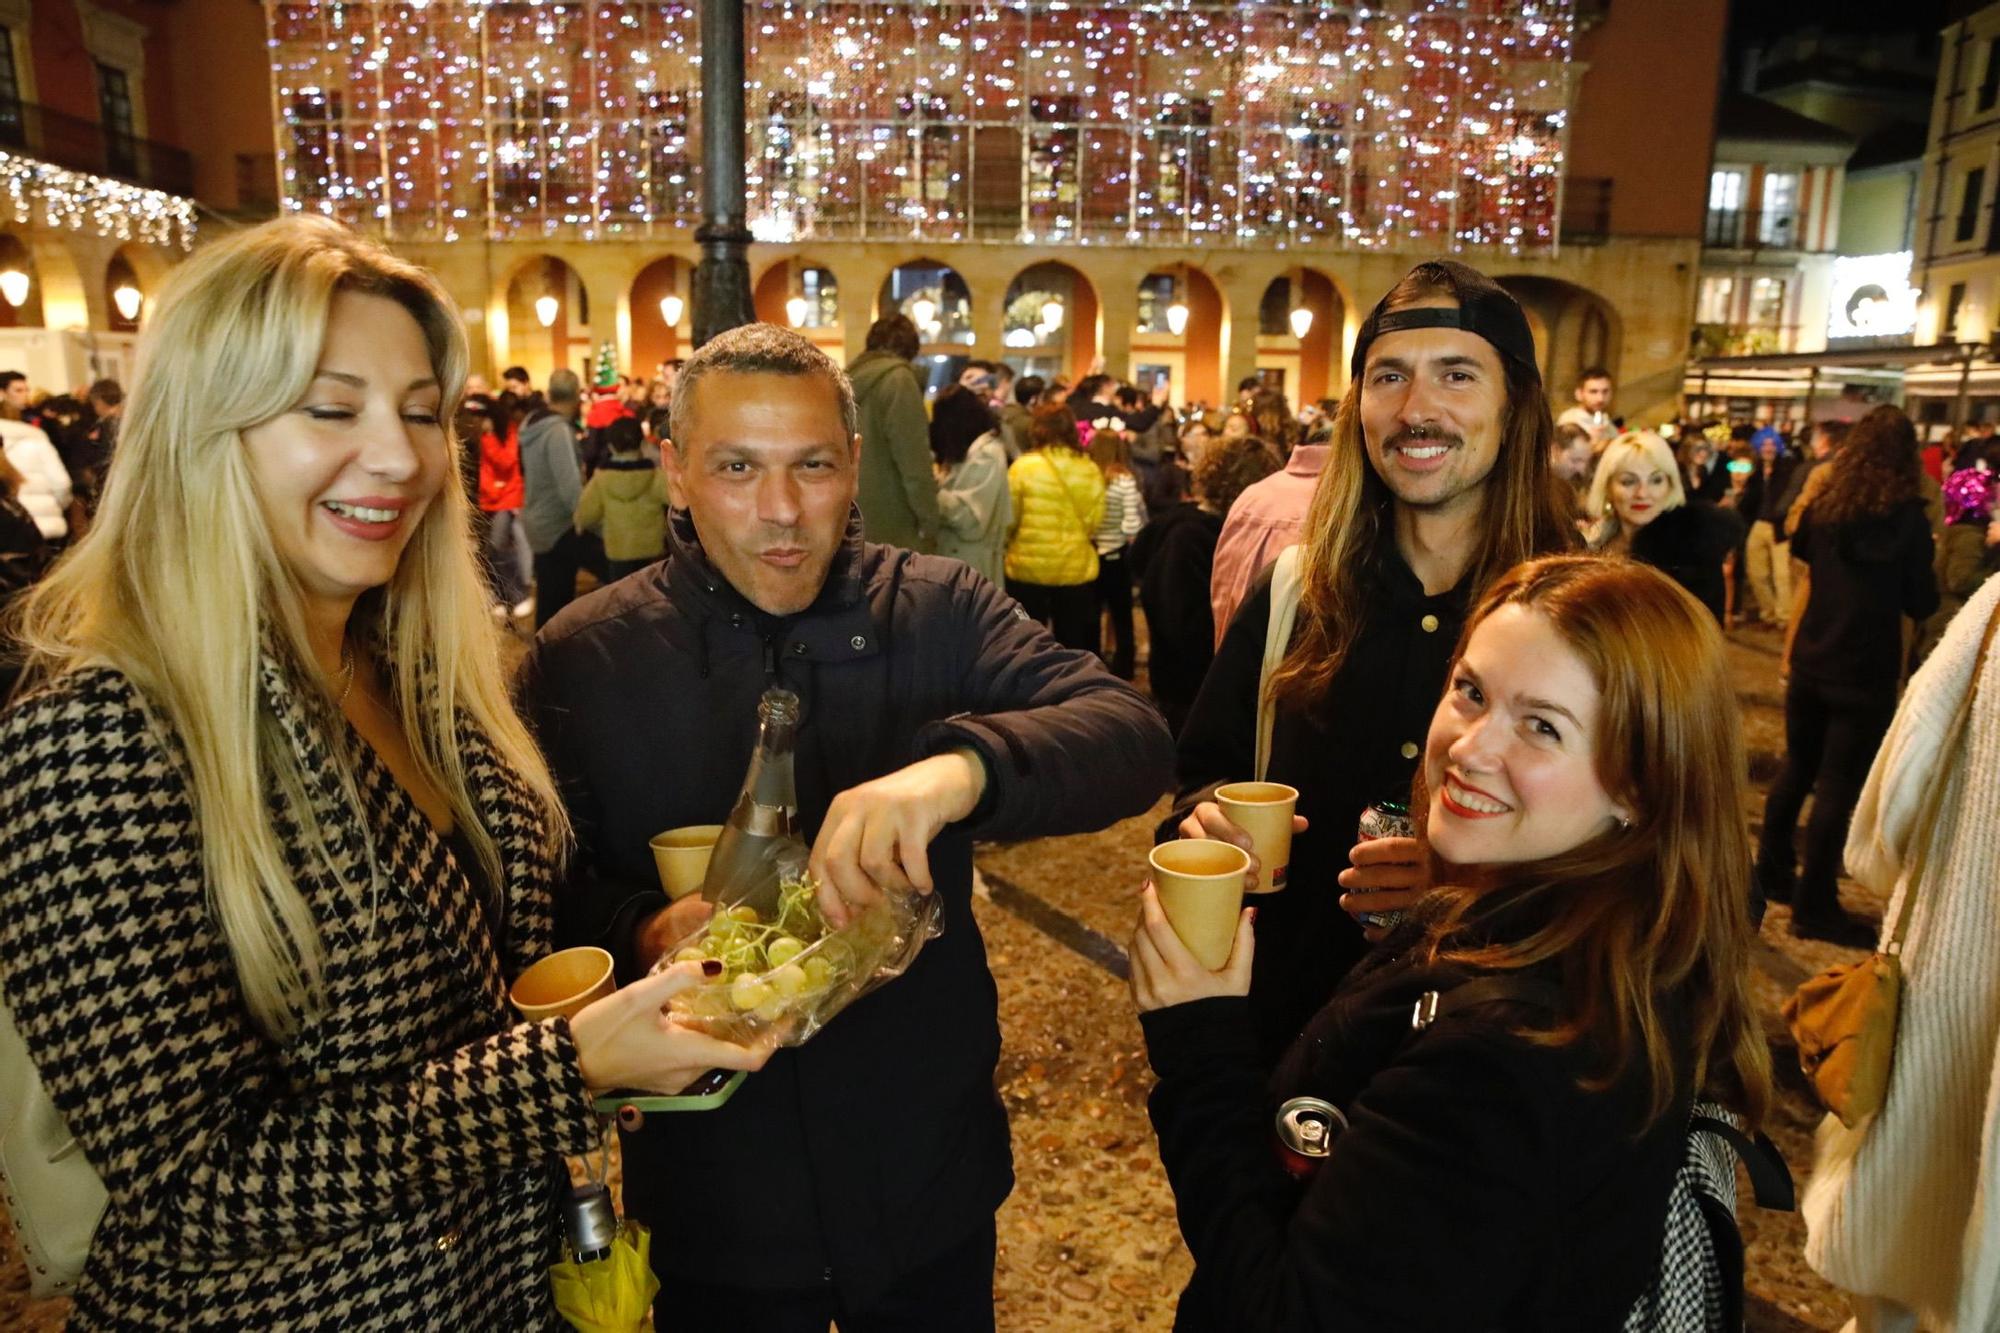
[
  {"x": 564, "y": 386},
  {"x": 758, "y": 349}
]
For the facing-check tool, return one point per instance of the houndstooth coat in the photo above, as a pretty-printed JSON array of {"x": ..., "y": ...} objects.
[{"x": 390, "y": 1165}]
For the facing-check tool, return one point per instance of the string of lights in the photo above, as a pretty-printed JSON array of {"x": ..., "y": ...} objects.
[
  {"x": 1280, "y": 122},
  {"x": 78, "y": 200}
]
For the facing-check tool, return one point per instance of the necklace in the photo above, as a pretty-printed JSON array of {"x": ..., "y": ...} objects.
[{"x": 346, "y": 675}]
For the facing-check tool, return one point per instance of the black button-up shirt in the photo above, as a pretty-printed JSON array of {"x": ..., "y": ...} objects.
[{"x": 1361, "y": 744}]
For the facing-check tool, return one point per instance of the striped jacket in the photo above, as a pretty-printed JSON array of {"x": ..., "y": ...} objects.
[{"x": 387, "y": 1166}]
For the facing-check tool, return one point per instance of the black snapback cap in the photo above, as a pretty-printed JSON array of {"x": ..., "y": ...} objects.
[{"x": 1484, "y": 308}]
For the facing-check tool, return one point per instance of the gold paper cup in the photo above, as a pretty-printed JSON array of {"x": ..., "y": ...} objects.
[
  {"x": 1200, "y": 884},
  {"x": 1263, "y": 810},
  {"x": 681, "y": 854},
  {"x": 563, "y": 983}
]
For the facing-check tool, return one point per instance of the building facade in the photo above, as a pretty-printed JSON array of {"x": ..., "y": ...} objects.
[
  {"x": 1196, "y": 192},
  {"x": 99, "y": 196}
]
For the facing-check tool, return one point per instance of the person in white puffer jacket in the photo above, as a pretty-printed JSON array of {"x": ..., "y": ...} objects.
[
  {"x": 1902, "y": 1212},
  {"x": 45, "y": 486}
]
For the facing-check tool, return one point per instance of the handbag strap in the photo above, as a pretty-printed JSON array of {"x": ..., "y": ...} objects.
[
  {"x": 1070, "y": 496},
  {"x": 1287, "y": 581},
  {"x": 1927, "y": 815}
]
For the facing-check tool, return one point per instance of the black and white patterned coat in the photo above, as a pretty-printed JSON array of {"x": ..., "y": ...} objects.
[{"x": 387, "y": 1166}]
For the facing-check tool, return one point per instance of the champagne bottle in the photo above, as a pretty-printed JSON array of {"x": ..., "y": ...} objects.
[{"x": 763, "y": 824}]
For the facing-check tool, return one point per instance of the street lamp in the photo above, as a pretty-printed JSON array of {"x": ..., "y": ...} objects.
[
  {"x": 1302, "y": 321},
  {"x": 670, "y": 310},
  {"x": 1177, "y": 317},
  {"x": 1052, "y": 314},
  {"x": 923, "y": 311},
  {"x": 795, "y": 311},
  {"x": 545, "y": 310},
  {"x": 128, "y": 299},
  {"x": 14, "y": 286}
]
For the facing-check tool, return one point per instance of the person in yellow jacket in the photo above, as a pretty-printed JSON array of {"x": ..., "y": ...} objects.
[{"x": 1058, "y": 501}]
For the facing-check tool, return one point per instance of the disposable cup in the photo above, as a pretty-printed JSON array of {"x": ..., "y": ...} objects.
[
  {"x": 1263, "y": 810},
  {"x": 561, "y": 985},
  {"x": 1200, "y": 884},
  {"x": 682, "y": 857}
]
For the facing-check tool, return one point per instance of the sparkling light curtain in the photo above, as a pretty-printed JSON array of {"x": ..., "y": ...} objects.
[{"x": 1432, "y": 123}]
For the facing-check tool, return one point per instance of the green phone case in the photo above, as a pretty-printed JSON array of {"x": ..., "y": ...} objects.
[{"x": 707, "y": 1102}]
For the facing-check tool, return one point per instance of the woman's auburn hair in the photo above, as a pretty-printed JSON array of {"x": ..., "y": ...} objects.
[
  {"x": 1646, "y": 446},
  {"x": 179, "y": 587},
  {"x": 1527, "y": 513},
  {"x": 1051, "y": 425},
  {"x": 1877, "y": 467},
  {"x": 1656, "y": 908}
]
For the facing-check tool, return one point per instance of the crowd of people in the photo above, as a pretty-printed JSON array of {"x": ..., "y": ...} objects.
[{"x": 278, "y": 822}]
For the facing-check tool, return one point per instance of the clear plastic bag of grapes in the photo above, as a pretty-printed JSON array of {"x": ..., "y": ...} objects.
[{"x": 784, "y": 973}]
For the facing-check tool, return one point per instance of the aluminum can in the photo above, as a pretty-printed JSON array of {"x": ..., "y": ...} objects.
[
  {"x": 1307, "y": 1127},
  {"x": 1384, "y": 819}
]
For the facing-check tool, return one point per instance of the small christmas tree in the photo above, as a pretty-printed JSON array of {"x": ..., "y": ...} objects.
[{"x": 607, "y": 365}]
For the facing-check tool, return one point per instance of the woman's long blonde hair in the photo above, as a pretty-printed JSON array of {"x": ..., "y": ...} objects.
[
  {"x": 1646, "y": 447},
  {"x": 179, "y": 587}
]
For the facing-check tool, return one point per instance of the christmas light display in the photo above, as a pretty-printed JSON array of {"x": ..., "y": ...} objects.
[
  {"x": 77, "y": 200},
  {"x": 1275, "y": 122}
]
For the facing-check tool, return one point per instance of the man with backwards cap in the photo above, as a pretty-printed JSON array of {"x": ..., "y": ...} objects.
[{"x": 1437, "y": 482}]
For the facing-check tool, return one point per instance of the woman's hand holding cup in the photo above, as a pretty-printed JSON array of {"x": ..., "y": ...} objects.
[
  {"x": 1207, "y": 820},
  {"x": 626, "y": 1040},
  {"x": 1383, "y": 875},
  {"x": 1165, "y": 971}
]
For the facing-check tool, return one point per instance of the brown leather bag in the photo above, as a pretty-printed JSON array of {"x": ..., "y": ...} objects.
[{"x": 1844, "y": 1019}]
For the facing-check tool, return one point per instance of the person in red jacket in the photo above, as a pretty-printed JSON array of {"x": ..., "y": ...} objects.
[{"x": 509, "y": 555}]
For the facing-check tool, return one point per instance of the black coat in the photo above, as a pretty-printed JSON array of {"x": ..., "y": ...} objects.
[
  {"x": 1359, "y": 746},
  {"x": 1867, "y": 574},
  {"x": 880, "y": 1143},
  {"x": 1689, "y": 544},
  {"x": 1477, "y": 1187},
  {"x": 1174, "y": 557}
]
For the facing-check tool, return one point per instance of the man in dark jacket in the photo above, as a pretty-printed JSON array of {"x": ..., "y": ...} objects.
[
  {"x": 898, "y": 489},
  {"x": 856, "y": 1177},
  {"x": 551, "y": 483},
  {"x": 1445, "y": 432}
]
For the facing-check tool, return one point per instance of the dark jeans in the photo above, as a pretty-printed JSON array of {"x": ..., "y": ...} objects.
[
  {"x": 1114, "y": 594},
  {"x": 555, "y": 577},
  {"x": 953, "y": 1291},
  {"x": 1831, "y": 735},
  {"x": 1070, "y": 613}
]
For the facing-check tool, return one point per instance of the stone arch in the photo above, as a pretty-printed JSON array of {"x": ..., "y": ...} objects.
[
  {"x": 522, "y": 338},
  {"x": 1194, "y": 355},
  {"x": 654, "y": 340},
  {"x": 1315, "y": 353},
  {"x": 814, "y": 285},
  {"x": 1575, "y": 327},
  {"x": 938, "y": 290},
  {"x": 1067, "y": 347}
]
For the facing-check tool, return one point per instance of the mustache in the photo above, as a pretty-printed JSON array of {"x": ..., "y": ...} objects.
[{"x": 1421, "y": 435}]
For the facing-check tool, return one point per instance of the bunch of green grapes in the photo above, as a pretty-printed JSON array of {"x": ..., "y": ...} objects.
[{"x": 762, "y": 968}]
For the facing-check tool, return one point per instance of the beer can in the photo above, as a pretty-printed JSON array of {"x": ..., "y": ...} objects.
[
  {"x": 1384, "y": 819},
  {"x": 1307, "y": 1127}
]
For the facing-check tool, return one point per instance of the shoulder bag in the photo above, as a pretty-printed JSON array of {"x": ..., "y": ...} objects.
[
  {"x": 52, "y": 1191},
  {"x": 1287, "y": 579},
  {"x": 1844, "y": 1019}
]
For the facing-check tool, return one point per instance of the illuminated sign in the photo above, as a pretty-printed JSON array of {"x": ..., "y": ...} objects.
[{"x": 1872, "y": 297}]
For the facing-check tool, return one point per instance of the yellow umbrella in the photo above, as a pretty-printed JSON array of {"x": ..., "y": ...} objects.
[{"x": 604, "y": 1283}]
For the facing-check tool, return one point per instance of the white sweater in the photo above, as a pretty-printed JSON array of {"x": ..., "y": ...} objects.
[
  {"x": 1908, "y": 1207},
  {"x": 45, "y": 489}
]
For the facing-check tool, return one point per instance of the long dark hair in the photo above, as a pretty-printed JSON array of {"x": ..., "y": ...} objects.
[
  {"x": 1876, "y": 469},
  {"x": 1525, "y": 514},
  {"x": 958, "y": 418},
  {"x": 1659, "y": 907}
]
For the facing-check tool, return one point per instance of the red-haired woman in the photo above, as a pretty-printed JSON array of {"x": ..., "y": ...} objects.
[{"x": 1507, "y": 1166}]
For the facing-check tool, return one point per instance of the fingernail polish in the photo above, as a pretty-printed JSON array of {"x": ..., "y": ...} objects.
[{"x": 711, "y": 967}]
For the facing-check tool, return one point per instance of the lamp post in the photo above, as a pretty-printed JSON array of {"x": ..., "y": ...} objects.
[{"x": 722, "y": 279}]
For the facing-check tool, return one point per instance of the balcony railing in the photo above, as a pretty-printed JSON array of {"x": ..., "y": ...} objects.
[
  {"x": 85, "y": 145},
  {"x": 1586, "y": 212},
  {"x": 1751, "y": 229}
]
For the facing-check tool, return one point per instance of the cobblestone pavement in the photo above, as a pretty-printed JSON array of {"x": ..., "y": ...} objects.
[{"x": 1088, "y": 1241}]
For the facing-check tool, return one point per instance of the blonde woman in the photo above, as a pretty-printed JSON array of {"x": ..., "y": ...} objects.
[
  {"x": 1642, "y": 510},
  {"x": 273, "y": 841}
]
